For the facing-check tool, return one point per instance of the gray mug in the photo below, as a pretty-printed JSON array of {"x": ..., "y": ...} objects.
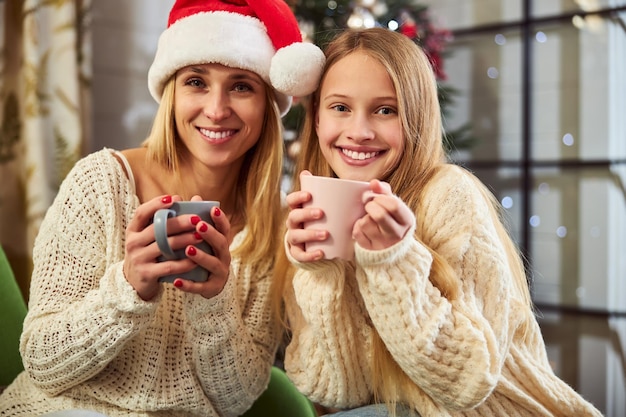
[{"x": 200, "y": 208}]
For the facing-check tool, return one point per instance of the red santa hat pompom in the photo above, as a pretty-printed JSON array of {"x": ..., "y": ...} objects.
[{"x": 256, "y": 35}]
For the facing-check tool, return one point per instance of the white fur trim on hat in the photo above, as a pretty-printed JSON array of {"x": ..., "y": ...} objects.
[{"x": 230, "y": 39}]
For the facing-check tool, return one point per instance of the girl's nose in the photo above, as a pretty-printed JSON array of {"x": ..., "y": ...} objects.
[
  {"x": 217, "y": 106},
  {"x": 360, "y": 129}
]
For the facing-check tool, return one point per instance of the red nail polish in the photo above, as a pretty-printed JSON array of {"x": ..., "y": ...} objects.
[
  {"x": 178, "y": 282},
  {"x": 204, "y": 227},
  {"x": 195, "y": 219},
  {"x": 217, "y": 212},
  {"x": 197, "y": 235},
  {"x": 167, "y": 199},
  {"x": 191, "y": 251}
]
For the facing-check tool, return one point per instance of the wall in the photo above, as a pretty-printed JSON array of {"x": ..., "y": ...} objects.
[{"x": 125, "y": 35}]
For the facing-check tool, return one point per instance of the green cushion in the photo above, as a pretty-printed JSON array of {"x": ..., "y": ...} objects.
[
  {"x": 12, "y": 313},
  {"x": 281, "y": 399}
]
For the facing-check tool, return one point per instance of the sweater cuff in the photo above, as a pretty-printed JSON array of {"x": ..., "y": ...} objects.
[
  {"x": 367, "y": 257},
  {"x": 319, "y": 293},
  {"x": 121, "y": 296},
  {"x": 316, "y": 266},
  {"x": 212, "y": 312}
]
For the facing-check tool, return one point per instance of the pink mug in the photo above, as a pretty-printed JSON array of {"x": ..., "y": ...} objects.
[{"x": 342, "y": 203}]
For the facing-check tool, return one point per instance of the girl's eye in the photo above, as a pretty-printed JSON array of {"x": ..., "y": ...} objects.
[
  {"x": 339, "y": 107},
  {"x": 386, "y": 110}
]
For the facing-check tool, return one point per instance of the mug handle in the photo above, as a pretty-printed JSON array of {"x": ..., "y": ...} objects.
[{"x": 160, "y": 232}]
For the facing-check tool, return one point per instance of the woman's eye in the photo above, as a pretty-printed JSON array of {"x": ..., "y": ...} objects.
[
  {"x": 242, "y": 87},
  {"x": 340, "y": 107},
  {"x": 194, "y": 82}
]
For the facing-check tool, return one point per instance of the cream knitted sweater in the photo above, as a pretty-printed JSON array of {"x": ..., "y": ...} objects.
[
  {"x": 90, "y": 342},
  {"x": 466, "y": 358}
]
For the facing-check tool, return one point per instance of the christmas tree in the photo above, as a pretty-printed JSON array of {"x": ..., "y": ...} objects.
[{"x": 321, "y": 20}]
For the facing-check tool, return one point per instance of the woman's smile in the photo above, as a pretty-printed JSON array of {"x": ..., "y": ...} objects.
[{"x": 217, "y": 136}]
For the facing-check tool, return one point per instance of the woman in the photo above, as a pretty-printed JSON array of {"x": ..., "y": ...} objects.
[
  {"x": 433, "y": 316},
  {"x": 102, "y": 333}
]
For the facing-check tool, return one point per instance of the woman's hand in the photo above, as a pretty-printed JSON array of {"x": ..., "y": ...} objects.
[
  {"x": 297, "y": 236},
  {"x": 217, "y": 264},
  {"x": 386, "y": 221},
  {"x": 141, "y": 268}
]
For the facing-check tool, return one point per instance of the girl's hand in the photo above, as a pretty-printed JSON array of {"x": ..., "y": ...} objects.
[
  {"x": 297, "y": 236},
  {"x": 217, "y": 264},
  {"x": 386, "y": 221},
  {"x": 141, "y": 268}
]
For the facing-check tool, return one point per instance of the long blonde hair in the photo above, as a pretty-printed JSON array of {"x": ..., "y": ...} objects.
[
  {"x": 258, "y": 189},
  {"x": 423, "y": 156}
]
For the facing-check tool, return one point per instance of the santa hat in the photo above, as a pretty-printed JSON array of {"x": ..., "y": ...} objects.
[{"x": 262, "y": 36}]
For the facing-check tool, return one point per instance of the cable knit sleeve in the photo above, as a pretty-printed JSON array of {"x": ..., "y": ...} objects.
[
  {"x": 82, "y": 310},
  {"x": 327, "y": 356},
  {"x": 453, "y": 350}
]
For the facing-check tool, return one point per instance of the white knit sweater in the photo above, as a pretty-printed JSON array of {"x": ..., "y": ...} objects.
[
  {"x": 466, "y": 358},
  {"x": 90, "y": 342}
]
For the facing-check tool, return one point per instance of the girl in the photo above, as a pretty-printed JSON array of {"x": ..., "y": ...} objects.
[
  {"x": 102, "y": 333},
  {"x": 433, "y": 316}
]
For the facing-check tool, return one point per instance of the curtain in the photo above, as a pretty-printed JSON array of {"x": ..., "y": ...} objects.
[{"x": 45, "y": 71}]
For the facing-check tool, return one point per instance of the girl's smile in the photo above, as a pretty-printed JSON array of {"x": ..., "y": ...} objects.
[{"x": 356, "y": 155}]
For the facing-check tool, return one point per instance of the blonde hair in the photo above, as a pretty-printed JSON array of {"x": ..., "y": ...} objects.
[
  {"x": 423, "y": 155},
  {"x": 258, "y": 189}
]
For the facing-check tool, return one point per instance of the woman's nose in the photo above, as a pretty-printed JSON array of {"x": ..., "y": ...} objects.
[{"x": 217, "y": 106}]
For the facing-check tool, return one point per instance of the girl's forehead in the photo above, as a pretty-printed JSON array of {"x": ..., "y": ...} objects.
[
  {"x": 358, "y": 70},
  {"x": 356, "y": 62},
  {"x": 358, "y": 57}
]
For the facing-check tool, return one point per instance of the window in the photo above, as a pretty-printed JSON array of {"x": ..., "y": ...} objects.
[{"x": 543, "y": 85}]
